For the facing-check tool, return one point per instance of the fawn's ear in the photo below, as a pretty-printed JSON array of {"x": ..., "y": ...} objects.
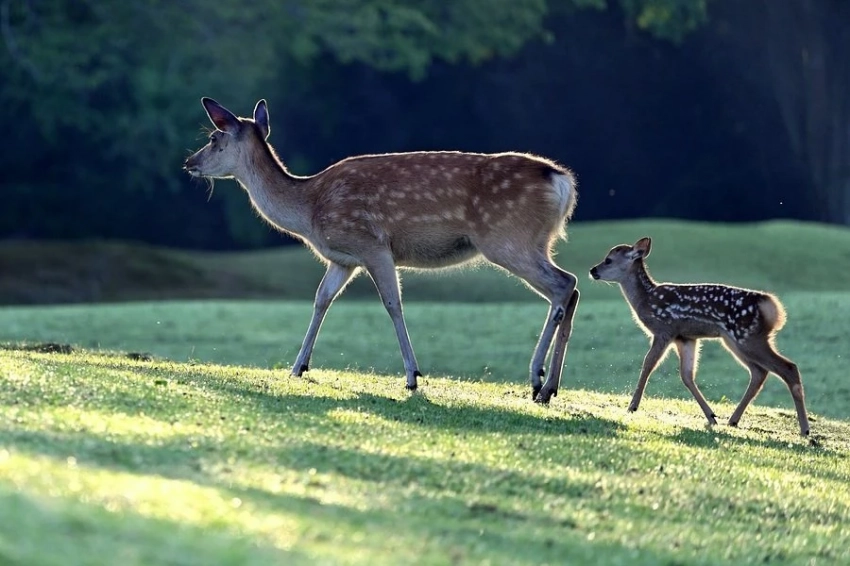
[
  {"x": 261, "y": 117},
  {"x": 221, "y": 117},
  {"x": 642, "y": 247}
]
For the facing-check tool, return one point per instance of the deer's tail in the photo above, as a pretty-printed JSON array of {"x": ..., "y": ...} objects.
[{"x": 773, "y": 312}]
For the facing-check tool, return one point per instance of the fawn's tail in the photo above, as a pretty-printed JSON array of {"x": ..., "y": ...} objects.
[{"x": 773, "y": 312}]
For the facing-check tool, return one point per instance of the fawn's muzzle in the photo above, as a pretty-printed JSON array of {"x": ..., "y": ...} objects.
[{"x": 594, "y": 273}]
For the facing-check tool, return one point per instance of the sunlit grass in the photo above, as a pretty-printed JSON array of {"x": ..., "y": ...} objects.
[
  {"x": 780, "y": 256},
  {"x": 492, "y": 342},
  {"x": 106, "y": 460},
  {"x": 109, "y": 460}
]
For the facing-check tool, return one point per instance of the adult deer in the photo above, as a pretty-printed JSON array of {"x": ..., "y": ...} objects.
[
  {"x": 745, "y": 320},
  {"x": 425, "y": 210}
]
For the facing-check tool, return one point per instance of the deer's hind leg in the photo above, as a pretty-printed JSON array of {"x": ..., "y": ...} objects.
[
  {"x": 758, "y": 375},
  {"x": 762, "y": 352},
  {"x": 558, "y": 287},
  {"x": 688, "y": 351}
]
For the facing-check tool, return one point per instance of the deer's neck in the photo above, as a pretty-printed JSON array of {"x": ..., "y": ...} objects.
[
  {"x": 278, "y": 196},
  {"x": 637, "y": 289}
]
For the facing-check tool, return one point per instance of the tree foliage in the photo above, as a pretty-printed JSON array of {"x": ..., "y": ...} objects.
[{"x": 110, "y": 87}]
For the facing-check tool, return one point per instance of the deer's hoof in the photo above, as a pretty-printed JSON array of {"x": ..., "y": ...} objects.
[
  {"x": 632, "y": 408},
  {"x": 733, "y": 424},
  {"x": 535, "y": 391},
  {"x": 412, "y": 384},
  {"x": 298, "y": 372},
  {"x": 543, "y": 397}
]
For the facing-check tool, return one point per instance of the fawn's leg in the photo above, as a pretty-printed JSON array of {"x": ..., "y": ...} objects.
[
  {"x": 758, "y": 375},
  {"x": 764, "y": 355},
  {"x": 688, "y": 351},
  {"x": 650, "y": 362},
  {"x": 381, "y": 269},
  {"x": 334, "y": 281}
]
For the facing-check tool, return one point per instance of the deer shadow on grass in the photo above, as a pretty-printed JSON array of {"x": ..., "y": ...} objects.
[
  {"x": 410, "y": 516},
  {"x": 716, "y": 437},
  {"x": 477, "y": 501},
  {"x": 415, "y": 409},
  {"x": 203, "y": 458}
]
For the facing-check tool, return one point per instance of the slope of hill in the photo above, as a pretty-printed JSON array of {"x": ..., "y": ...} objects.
[
  {"x": 107, "y": 460},
  {"x": 777, "y": 255}
]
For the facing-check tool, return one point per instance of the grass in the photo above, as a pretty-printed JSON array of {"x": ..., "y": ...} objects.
[
  {"x": 491, "y": 342},
  {"x": 107, "y": 460},
  {"x": 209, "y": 453},
  {"x": 764, "y": 255}
]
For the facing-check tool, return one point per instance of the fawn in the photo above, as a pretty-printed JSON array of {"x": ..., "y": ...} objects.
[
  {"x": 745, "y": 320},
  {"x": 425, "y": 210}
]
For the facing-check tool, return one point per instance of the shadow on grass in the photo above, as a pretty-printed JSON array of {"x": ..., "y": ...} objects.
[
  {"x": 65, "y": 531},
  {"x": 416, "y": 409},
  {"x": 473, "y": 511},
  {"x": 716, "y": 438},
  {"x": 473, "y": 501}
]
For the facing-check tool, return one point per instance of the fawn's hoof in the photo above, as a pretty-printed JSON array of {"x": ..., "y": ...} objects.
[
  {"x": 733, "y": 424},
  {"x": 632, "y": 408},
  {"x": 298, "y": 372}
]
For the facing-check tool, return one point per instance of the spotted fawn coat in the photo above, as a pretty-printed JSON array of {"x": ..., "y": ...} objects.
[{"x": 681, "y": 315}]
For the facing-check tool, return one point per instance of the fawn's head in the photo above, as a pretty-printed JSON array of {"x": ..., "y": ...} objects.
[
  {"x": 617, "y": 265},
  {"x": 231, "y": 143}
]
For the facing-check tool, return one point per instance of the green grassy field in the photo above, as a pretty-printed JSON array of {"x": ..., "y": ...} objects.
[
  {"x": 111, "y": 461},
  {"x": 780, "y": 255},
  {"x": 211, "y": 454}
]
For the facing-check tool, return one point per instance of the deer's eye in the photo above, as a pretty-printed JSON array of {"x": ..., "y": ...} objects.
[{"x": 607, "y": 260}]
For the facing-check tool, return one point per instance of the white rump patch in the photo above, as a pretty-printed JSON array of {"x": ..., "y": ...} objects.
[{"x": 566, "y": 193}]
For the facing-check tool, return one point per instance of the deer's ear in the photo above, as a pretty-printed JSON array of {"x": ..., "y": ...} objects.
[
  {"x": 221, "y": 117},
  {"x": 261, "y": 117},
  {"x": 642, "y": 247}
]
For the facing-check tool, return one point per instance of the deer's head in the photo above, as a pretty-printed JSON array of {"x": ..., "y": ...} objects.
[
  {"x": 618, "y": 264},
  {"x": 231, "y": 144}
]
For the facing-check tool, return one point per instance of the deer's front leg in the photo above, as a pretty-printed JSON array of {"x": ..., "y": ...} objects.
[
  {"x": 688, "y": 351},
  {"x": 334, "y": 281},
  {"x": 383, "y": 272},
  {"x": 650, "y": 362}
]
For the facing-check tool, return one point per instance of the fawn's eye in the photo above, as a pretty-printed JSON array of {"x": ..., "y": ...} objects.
[{"x": 607, "y": 260}]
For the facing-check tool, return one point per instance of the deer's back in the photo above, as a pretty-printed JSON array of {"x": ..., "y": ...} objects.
[{"x": 435, "y": 208}]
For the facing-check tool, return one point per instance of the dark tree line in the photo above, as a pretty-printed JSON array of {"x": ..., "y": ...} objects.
[{"x": 703, "y": 109}]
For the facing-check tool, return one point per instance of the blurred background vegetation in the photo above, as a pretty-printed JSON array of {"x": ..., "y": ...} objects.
[{"x": 718, "y": 110}]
